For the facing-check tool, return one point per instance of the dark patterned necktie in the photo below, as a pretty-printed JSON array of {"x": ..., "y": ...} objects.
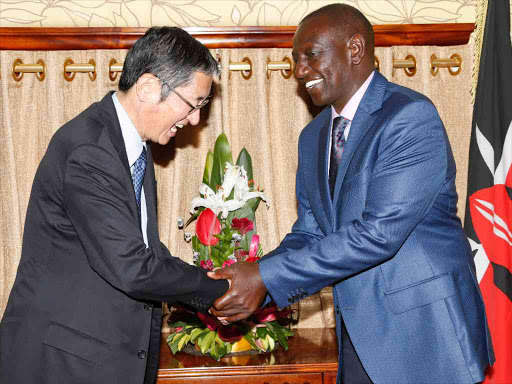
[
  {"x": 337, "y": 143},
  {"x": 139, "y": 168}
]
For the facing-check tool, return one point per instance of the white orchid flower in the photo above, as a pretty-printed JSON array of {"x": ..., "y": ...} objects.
[
  {"x": 215, "y": 201},
  {"x": 244, "y": 193},
  {"x": 234, "y": 177}
]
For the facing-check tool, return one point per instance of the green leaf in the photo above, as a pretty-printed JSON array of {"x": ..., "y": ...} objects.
[
  {"x": 253, "y": 203},
  {"x": 222, "y": 349},
  {"x": 208, "y": 168},
  {"x": 202, "y": 335},
  {"x": 221, "y": 156},
  {"x": 250, "y": 339},
  {"x": 245, "y": 160},
  {"x": 264, "y": 342},
  {"x": 184, "y": 340},
  {"x": 170, "y": 337},
  {"x": 204, "y": 253},
  {"x": 280, "y": 332},
  {"x": 206, "y": 342},
  {"x": 216, "y": 256},
  {"x": 195, "y": 334},
  {"x": 271, "y": 342},
  {"x": 214, "y": 351},
  {"x": 194, "y": 216},
  {"x": 175, "y": 342},
  {"x": 261, "y": 332}
]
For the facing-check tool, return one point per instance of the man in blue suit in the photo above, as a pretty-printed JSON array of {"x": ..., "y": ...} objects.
[{"x": 376, "y": 219}]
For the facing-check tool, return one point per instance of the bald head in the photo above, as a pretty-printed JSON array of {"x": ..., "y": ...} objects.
[{"x": 347, "y": 21}]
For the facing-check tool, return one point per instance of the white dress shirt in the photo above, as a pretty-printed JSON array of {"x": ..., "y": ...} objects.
[{"x": 134, "y": 145}]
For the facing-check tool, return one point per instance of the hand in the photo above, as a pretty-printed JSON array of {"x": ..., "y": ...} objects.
[{"x": 246, "y": 292}]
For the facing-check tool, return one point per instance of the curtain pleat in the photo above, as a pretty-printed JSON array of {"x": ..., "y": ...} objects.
[{"x": 265, "y": 114}]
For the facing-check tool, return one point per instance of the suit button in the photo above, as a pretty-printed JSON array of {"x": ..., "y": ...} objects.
[
  {"x": 141, "y": 354},
  {"x": 147, "y": 307},
  {"x": 337, "y": 310}
]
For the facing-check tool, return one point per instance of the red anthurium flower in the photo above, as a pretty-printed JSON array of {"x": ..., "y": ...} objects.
[
  {"x": 253, "y": 248},
  {"x": 207, "y": 226},
  {"x": 210, "y": 321},
  {"x": 242, "y": 225},
  {"x": 228, "y": 262},
  {"x": 252, "y": 259},
  {"x": 271, "y": 313},
  {"x": 208, "y": 265},
  {"x": 230, "y": 333}
]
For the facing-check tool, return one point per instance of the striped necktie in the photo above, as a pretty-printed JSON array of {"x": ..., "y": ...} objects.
[
  {"x": 139, "y": 169},
  {"x": 337, "y": 143}
]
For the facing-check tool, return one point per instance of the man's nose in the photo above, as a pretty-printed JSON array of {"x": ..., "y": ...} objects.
[
  {"x": 193, "y": 118},
  {"x": 301, "y": 69}
]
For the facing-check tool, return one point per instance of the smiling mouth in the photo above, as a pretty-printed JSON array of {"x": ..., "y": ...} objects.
[
  {"x": 176, "y": 127},
  {"x": 312, "y": 83}
]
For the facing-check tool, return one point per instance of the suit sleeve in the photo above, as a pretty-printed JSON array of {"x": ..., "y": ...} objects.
[
  {"x": 98, "y": 206},
  {"x": 409, "y": 173}
]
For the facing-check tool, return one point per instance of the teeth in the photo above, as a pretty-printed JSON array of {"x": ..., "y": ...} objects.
[
  {"x": 174, "y": 130},
  {"x": 179, "y": 126},
  {"x": 312, "y": 83}
]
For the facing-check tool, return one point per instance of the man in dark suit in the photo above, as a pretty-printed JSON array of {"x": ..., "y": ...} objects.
[
  {"x": 86, "y": 303},
  {"x": 376, "y": 219}
]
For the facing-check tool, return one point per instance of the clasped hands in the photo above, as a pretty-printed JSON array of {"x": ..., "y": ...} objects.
[{"x": 245, "y": 294}]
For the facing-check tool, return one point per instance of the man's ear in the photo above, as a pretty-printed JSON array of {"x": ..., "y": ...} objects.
[
  {"x": 148, "y": 89},
  {"x": 357, "y": 46}
]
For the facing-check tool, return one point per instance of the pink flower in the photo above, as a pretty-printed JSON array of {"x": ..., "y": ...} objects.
[
  {"x": 207, "y": 226},
  {"x": 208, "y": 265},
  {"x": 210, "y": 321},
  {"x": 242, "y": 225},
  {"x": 253, "y": 248},
  {"x": 271, "y": 313},
  {"x": 228, "y": 262}
]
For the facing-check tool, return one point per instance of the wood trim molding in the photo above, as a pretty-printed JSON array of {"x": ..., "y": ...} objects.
[{"x": 54, "y": 39}]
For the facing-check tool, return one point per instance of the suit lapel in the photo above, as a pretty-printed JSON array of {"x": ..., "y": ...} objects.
[
  {"x": 323, "y": 161},
  {"x": 116, "y": 138},
  {"x": 363, "y": 120},
  {"x": 150, "y": 193},
  {"x": 114, "y": 130}
]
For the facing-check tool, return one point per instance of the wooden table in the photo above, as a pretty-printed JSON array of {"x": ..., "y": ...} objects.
[{"x": 312, "y": 358}]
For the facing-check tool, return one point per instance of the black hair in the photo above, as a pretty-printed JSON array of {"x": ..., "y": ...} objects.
[
  {"x": 169, "y": 53},
  {"x": 349, "y": 21}
]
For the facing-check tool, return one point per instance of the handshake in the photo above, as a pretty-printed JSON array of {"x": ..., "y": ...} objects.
[{"x": 245, "y": 294}]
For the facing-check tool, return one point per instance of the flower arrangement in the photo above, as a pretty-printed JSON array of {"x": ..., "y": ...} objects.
[{"x": 225, "y": 233}]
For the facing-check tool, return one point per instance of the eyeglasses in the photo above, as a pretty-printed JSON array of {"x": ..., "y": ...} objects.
[{"x": 192, "y": 108}]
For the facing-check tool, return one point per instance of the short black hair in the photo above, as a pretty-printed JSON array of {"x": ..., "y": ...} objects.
[
  {"x": 348, "y": 20},
  {"x": 169, "y": 53}
]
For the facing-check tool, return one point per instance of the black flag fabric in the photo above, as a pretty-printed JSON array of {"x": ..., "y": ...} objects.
[{"x": 488, "y": 222}]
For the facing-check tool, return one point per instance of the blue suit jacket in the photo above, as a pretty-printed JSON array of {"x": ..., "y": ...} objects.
[{"x": 389, "y": 241}]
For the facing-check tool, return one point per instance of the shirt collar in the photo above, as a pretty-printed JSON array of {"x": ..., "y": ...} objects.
[
  {"x": 350, "y": 109},
  {"x": 131, "y": 137}
]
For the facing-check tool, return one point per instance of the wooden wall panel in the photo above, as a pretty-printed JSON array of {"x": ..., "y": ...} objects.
[{"x": 50, "y": 39}]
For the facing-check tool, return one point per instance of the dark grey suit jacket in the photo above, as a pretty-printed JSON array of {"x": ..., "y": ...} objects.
[{"x": 83, "y": 304}]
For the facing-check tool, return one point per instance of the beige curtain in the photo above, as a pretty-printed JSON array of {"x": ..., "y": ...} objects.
[{"x": 264, "y": 113}]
